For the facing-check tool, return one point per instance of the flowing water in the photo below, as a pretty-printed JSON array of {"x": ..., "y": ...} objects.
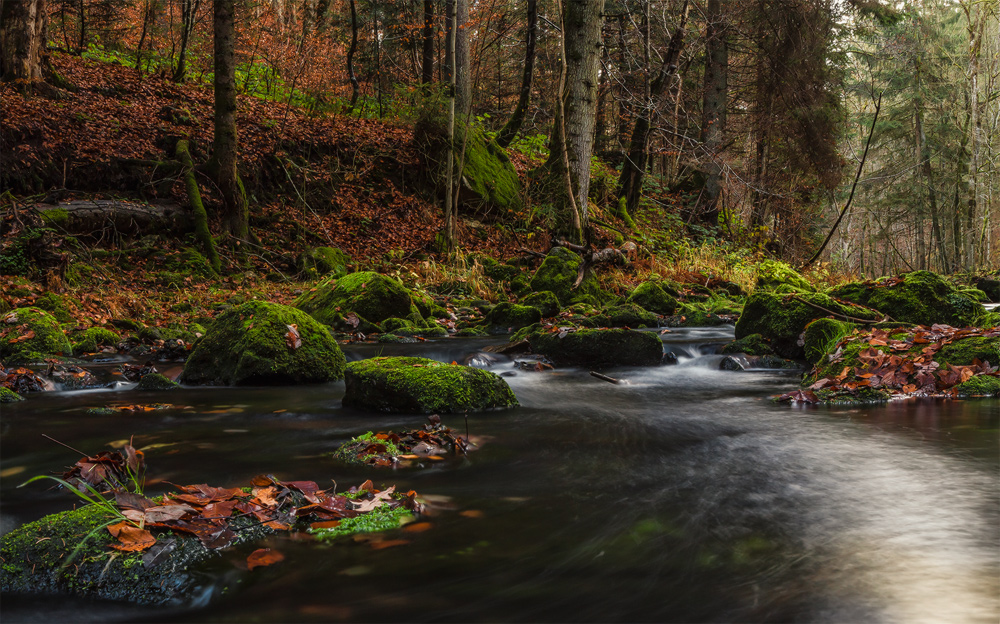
[{"x": 683, "y": 495}]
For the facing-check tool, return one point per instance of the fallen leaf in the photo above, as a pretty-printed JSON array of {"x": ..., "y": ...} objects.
[
  {"x": 131, "y": 538},
  {"x": 264, "y": 557}
]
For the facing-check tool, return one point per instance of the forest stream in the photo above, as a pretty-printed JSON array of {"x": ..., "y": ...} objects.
[{"x": 682, "y": 495}]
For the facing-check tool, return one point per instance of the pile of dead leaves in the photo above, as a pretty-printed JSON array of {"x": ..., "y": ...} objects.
[
  {"x": 902, "y": 366},
  {"x": 433, "y": 441}
]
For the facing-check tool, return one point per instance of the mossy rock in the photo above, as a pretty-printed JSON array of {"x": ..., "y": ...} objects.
[
  {"x": 33, "y": 556},
  {"x": 625, "y": 315},
  {"x": 429, "y": 331},
  {"x": 990, "y": 287},
  {"x": 545, "y": 302},
  {"x": 54, "y": 305},
  {"x": 191, "y": 263},
  {"x": 558, "y": 273},
  {"x": 371, "y": 296},
  {"x": 390, "y": 325},
  {"x": 322, "y": 261},
  {"x": 91, "y": 340},
  {"x": 920, "y": 297},
  {"x": 782, "y": 319},
  {"x": 250, "y": 345},
  {"x": 395, "y": 339},
  {"x": 963, "y": 352},
  {"x": 822, "y": 335},
  {"x": 489, "y": 180},
  {"x": 779, "y": 276},
  {"x": 980, "y": 386},
  {"x": 9, "y": 396},
  {"x": 156, "y": 381},
  {"x": 651, "y": 296},
  {"x": 427, "y": 307},
  {"x": 469, "y": 332},
  {"x": 691, "y": 316},
  {"x": 47, "y": 338},
  {"x": 754, "y": 344},
  {"x": 507, "y": 317},
  {"x": 598, "y": 347},
  {"x": 420, "y": 385}
]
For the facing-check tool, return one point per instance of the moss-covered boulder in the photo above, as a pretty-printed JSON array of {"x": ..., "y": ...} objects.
[
  {"x": 545, "y": 301},
  {"x": 822, "y": 335},
  {"x": 28, "y": 334},
  {"x": 9, "y": 396},
  {"x": 965, "y": 351},
  {"x": 489, "y": 180},
  {"x": 54, "y": 305},
  {"x": 321, "y": 261},
  {"x": 598, "y": 347},
  {"x": 651, "y": 296},
  {"x": 782, "y": 319},
  {"x": 558, "y": 273},
  {"x": 778, "y": 276},
  {"x": 260, "y": 343},
  {"x": 411, "y": 384},
  {"x": 508, "y": 317},
  {"x": 693, "y": 316},
  {"x": 93, "y": 339},
  {"x": 990, "y": 287},
  {"x": 754, "y": 344},
  {"x": 371, "y": 296},
  {"x": 625, "y": 315},
  {"x": 156, "y": 381},
  {"x": 979, "y": 386},
  {"x": 920, "y": 297}
]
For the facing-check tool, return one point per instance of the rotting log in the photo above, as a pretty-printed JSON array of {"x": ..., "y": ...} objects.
[
  {"x": 200, "y": 217},
  {"x": 101, "y": 217}
]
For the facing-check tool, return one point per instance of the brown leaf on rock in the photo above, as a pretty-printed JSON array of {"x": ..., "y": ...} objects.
[
  {"x": 130, "y": 537},
  {"x": 293, "y": 338}
]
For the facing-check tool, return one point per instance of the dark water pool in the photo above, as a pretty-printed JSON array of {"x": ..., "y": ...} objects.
[{"x": 683, "y": 496}]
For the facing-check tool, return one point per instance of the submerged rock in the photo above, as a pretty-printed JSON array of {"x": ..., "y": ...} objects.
[
  {"x": 412, "y": 384},
  {"x": 260, "y": 343},
  {"x": 156, "y": 381},
  {"x": 598, "y": 347},
  {"x": 371, "y": 296},
  {"x": 754, "y": 344},
  {"x": 920, "y": 297},
  {"x": 31, "y": 334}
]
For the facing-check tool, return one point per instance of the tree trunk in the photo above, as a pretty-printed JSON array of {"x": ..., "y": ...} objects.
[
  {"x": 634, "y": 167},
  {"x": 235, "y": 217},
  {"x": 463, "y": 74},
  {"x": 23, "y": 25},
  {"x": 449, "y": 203},
  {"x": 582, "y": 58},
  {"x": 427, "y": 61},
  {"x": 189, "y": 11},
  {"x": 716, "y": 99},
  {"x": 513, "y": 125},
  {"x": 355, "y": 87},
  {"x": 197, "y": 207}
]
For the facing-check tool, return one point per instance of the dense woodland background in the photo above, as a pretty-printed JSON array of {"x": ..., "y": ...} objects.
[{"x": 754, "y": 116}]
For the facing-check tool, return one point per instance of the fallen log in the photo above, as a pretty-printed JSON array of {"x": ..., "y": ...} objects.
[{"x": 102, "y": 217}]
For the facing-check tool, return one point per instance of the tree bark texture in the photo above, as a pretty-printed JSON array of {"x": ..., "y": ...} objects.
[
  {"x": 427, "y": 60},
  {"x": 716, "y": 99},
  {"x": 513, "y": 125},
  {"x": 235, "y": 217},
  {"x": 355, "y": 87},
  {"x": 582, "y": 36},
  {"x": 463, "y": 73},
  {"x": 102, "y": 217},
  {"x": 23, "y": 25}
]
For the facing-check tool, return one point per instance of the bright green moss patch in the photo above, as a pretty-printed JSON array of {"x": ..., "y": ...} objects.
[
  {"x": 651, "y": 296},
  {"x": 964, "y": 352},
  {"x": 558, "y": 273},
  {"x": 822, "y": 335},
  {"x": 545, "y": 301},
  {"x": 91, "y": 340},
  {"x": 156, "y": 381},
  {"x": 625, "y": 315},
  {"x": 322, "y": 261},
  {"x": 507, "y": 317},
  {"x": 260, "y": 343},
  {"x": 980, "y": 386},
  {"x": 489, "y": 176},
  {"x": 754, "y": 344},
  {"x": 9, "y": 396},
  {"x": 776, "y": 275},
  {"x": 919, "y": 297},
  {"x": 371, "y": 296},
  {"x": 410, "y": 384},
  {"x": 29, "y": 334},
  {"x": 383, "y": 518}
]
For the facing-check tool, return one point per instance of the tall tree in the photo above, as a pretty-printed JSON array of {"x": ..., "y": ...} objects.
[
  {"x": 23, "y": 26},
  {"x": 513, "y": 125},
  {"x": 713, "y": 115},
  {"x": 189, "y": 13},
  {"x": 225, "y": 155},
  {"x": 572, "y": 141}
]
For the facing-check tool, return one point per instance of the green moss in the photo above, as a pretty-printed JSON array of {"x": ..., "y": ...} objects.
[
  {"x": 9, "y": 396},
  {"x": 371, "y": 296},
  {"x": 47, "y": 338},
  {"x": 490, "y": 176},
  {"x": 429, "y": 331},
  {"x": 782, "y": 319},
  {"x": 54, "y": 305},
  {"x": 408, "y": 384},
  {"x": 599, "y": 347},
  {"x": 980, "y": 385},
  {"x": 545, "y": 302},
  {"x": 506, "y": 317},
  {"x": 348, "y": 451},
  {"x": 558, "y": 273},
  {"x": 822, "y": 335},
  {"x": 382, "y": 518},
  {"x": 466, "y": 332},
  {"x": 392, "y": 324},
  {"x": 626, "y": 315},
  {"x": 249, "y": 344},
  {"x": 322, "y": 261},
  {"x": 156, "y": 381},
  {"x": 78, "y": 274},
  {"x": 773, "y": 274},
  {"x": 694, "y": 316},
  {"x": 963, "y": 352},
  {"x": 55, "y": 217},
  {"x": 754, "y": 344},
  {"x": 651, "y": 296},
  {"x": 922, "y": 297},
  {"x": 91, "y": 340}
]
